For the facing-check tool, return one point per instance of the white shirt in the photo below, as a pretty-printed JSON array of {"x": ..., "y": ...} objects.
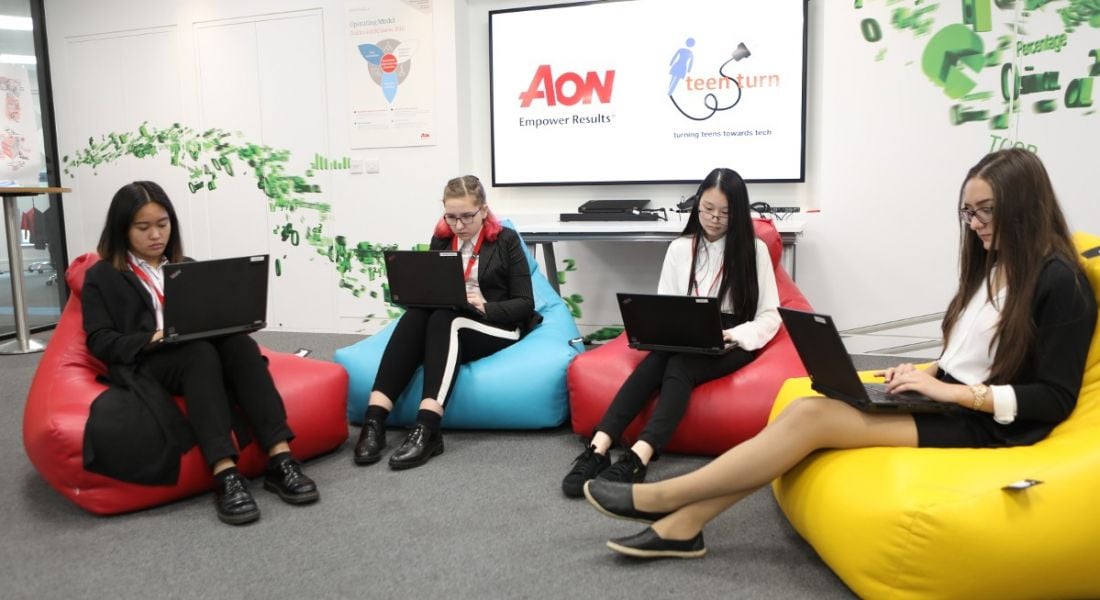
[
  {"x": 750, "y": 335},
  {"x": 968, "y": 356},
  {"x": 467, "y": 251},
  {"x": 156, "y": 276}
]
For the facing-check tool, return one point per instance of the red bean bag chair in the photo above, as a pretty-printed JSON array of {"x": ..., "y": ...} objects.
[
  {"x": 723, "y": 412},
  {"x": 65, "y": 385}
]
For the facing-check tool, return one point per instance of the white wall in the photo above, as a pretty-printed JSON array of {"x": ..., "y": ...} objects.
[
  {"x": 275, "y": 70},
  {"x": 884, "y": 163}
]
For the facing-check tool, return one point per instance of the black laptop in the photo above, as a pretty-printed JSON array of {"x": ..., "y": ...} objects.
[
  {"x": 209, "y": 298},
  {"x": 673, "y": 323},
  {"x": 431, "y": 279},
  {"x": 833, "y": 374}
]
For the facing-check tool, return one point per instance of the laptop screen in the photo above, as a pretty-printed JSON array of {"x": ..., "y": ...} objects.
[
  {"x": 215, "y": 295},
  {"x": 427, "y": 279},
  {"x": 663, "y": 320},
  {"x": 822, "y": 352}
]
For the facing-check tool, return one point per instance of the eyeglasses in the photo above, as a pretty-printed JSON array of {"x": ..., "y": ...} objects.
[
  {"x": 466, "y": 218},
  {"x": 717, "y": 216},
  {"x": 984, "y": 214}
]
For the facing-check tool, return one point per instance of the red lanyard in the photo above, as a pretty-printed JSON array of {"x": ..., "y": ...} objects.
[
  {"x": 148, "y": 282},
  {"x": 717, "y": 275},
  {"x": 473, "y": 257}
]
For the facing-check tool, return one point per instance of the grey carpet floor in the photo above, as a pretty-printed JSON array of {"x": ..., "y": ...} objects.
[{"x": 486, "y": 519}]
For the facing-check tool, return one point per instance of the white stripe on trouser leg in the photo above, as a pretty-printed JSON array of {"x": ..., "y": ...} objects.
[{"x": 452, "y": 349}]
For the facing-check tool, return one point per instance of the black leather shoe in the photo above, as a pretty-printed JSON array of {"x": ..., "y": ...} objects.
[
  {"x": 372, "y": 441},
  {"x": 419, "y": 446},
  {"x": 616, "y": 499},
  {"x": 286, "y": 479},
  {"x": 648, "y": 544},
  {"x": 234, "y": 502}
]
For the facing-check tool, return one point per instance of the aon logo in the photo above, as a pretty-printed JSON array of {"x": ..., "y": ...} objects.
[{"x": 545, "y": 87}]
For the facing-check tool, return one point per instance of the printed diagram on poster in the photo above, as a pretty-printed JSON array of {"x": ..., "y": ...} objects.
[
  {"x": 19, "y": 159},
  {"x": 391, "y": 73}
]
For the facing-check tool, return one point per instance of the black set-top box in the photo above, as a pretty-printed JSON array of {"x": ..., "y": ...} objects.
[
  {"x": 611, "y": 210},
  {"x": 612, "y": 206}
]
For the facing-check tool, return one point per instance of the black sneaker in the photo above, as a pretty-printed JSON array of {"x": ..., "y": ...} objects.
[
  {"x": 628, "y": 469},
  {"x": 585, "y": 467}
]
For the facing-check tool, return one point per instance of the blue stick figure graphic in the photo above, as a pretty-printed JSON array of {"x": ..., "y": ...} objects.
[{"x": 681, "y": 65}]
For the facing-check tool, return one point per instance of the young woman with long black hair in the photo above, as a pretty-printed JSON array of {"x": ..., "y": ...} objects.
[{"x": 718, "y": 255}]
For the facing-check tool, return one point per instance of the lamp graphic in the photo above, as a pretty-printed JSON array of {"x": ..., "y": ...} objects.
[
  {"x": 681, "y": 64},
  {"x": 741, "y": 52}
]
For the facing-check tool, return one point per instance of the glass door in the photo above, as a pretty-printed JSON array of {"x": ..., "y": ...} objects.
[{"x": 26, "y": 160}]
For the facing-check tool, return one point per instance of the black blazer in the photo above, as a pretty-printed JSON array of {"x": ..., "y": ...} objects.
[
  {"x": 119, "y": 318},
  {"x": 505, "y": 280},
  {"x": 1063, "y": 312},
  {"x": 135, "y": 432}
]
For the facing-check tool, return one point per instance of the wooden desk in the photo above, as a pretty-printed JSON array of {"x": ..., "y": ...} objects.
[
  {"x": 547, "y": 229},
  {"x": 22, "y": 344}
]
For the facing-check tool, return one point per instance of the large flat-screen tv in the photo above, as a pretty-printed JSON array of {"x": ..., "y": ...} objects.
[{"x": 648, "y": 91}]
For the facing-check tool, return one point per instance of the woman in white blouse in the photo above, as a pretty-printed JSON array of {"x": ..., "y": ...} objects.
[
  {"x": 1016, "y": 336},
  {"x": 718, "y": 255}
]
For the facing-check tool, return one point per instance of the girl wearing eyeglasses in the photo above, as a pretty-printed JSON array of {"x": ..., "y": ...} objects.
[
  {"x": 498, "y": 284},
  {"x": 718, "y": 255},
  {"x": 1016, "y": 336}
]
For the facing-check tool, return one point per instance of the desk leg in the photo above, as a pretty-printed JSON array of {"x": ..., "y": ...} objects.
[
  {"x": 22, "y": 344},
  {"x": 551, "y": 263},
  {"x": 787, "y": 258}
]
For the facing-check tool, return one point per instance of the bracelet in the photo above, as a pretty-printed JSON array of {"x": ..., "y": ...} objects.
[{"x": 980, "y": 390}]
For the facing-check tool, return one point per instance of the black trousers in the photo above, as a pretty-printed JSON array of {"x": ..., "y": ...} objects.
[
  {"x": 214, "y": 374},
  {"x": 441, "y": 340},
  {"x": 674, "y": 375}
]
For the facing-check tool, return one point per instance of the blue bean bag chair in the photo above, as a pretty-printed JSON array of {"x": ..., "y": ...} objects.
[{"x": 520, "y": 387}]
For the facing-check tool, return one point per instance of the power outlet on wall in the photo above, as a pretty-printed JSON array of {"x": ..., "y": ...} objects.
[{"x": 372, "y": 165}]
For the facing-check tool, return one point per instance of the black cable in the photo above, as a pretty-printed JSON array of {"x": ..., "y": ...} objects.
[{"x": 711, "y": 100}]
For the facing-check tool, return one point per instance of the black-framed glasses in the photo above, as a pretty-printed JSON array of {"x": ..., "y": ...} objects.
[
  {"x": 984, "y": 215},
  {"x": 721, "y": 217},
  {"x": 466, "y": 218}
]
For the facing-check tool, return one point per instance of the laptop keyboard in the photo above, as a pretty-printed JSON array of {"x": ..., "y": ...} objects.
[
  {"x": 877, "y": 393},
  {"x": 904, "y": 401}
]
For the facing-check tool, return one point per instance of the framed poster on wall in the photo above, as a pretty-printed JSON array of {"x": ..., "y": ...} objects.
[
  {"x": 391, "y": 73},
  {"x": 20, "y": 156}
]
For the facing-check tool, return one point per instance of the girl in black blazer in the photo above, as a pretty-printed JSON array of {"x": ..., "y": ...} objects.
[
  {"x": 498, "y": 287},
  {"x": 1016, "y": 336},
  {"x": 123, "y": 303}
]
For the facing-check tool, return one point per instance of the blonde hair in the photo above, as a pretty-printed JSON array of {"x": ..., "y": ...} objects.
[{"x": 467, "y": 185}]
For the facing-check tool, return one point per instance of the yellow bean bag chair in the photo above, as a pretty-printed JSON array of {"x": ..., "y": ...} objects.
[{"x": 937, "y": 523}]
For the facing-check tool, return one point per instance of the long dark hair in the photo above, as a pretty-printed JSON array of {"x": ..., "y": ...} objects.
[
  {"x": 1028, "y": 229},
  {"x": 739, "y": 282},
  {"x": 114, "y": 241}
]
